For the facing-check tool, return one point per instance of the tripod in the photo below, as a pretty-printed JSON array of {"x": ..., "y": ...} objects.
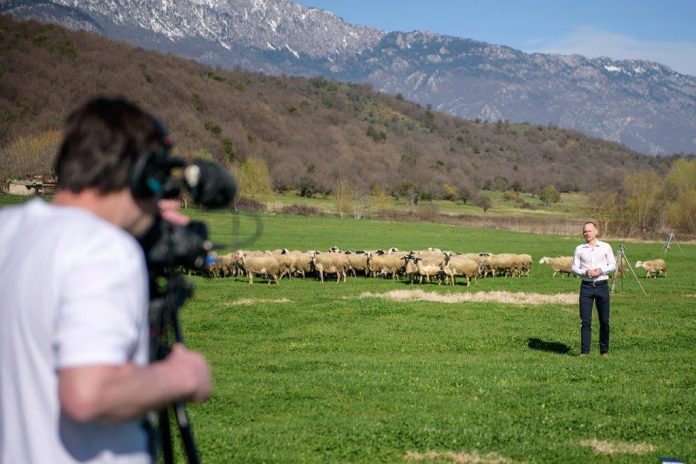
[
  {"x": 672, "y": 238},
  {"x": 621, "y": 264},
  {"x": 165, "y": 326}
]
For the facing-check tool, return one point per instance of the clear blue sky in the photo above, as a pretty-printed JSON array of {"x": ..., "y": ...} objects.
[{"x": 655, "y": 30}]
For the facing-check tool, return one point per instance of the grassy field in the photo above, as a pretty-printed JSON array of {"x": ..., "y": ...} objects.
[
  {"x": 323, "y": 373},
  {"x": 311, "y": 372},
  {"x": 572, "y": 205}
]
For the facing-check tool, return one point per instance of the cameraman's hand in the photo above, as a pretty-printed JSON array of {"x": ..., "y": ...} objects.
[
  {"x": 170, "y": 211},
  {"x": 192, "y": 370}
]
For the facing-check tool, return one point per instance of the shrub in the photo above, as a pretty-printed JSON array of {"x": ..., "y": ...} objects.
[
  {"x": 307, "y": 186},
  {"x": 379, "y": 197},
  {"x": 343, "y": 197},
  {"x": 196, "y": 99},
  {"x": 482, "y": 202},
  {"x": 449, "y": 192},
  {"x": 211, "y": 127},
  {"x": 30, "y": 156},
  {"x": 377, "y": 136},
  {"x": 228, "y": 148},
  {"x": 248, "y": 204},
  {"x": 254, "y": 178},
  {"x": 511, "y": 195},
  {"x": 302, "y": 210},
  {"x": 549, "y": 195}
]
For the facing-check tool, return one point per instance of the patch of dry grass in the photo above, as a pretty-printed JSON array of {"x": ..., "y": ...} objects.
[
  {"x": 253, "y": 301},
  {"x": 606, "y": 447},
  {"x": 457, "y": 457},
  {"x": 515, "y": 298}
]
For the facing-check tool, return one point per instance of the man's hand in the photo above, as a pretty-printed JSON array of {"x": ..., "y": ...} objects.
[
  {"x": 170, "y": 211},
  {"x": 193, "y": 371}
]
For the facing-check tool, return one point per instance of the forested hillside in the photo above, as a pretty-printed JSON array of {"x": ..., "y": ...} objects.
[{"x": 310, "y": 133}]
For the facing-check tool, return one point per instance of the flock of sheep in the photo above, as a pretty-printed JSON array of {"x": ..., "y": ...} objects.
[{"x": 423, "y": 265}]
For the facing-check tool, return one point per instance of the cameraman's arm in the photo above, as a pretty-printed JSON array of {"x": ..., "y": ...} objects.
[{"x": 118, "y": 393}]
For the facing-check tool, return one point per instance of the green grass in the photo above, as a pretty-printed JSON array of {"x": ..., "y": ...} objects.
[
  {"x": 8, "y": 200},
  {"x": 330, "y": 378},
  {"x": 326, "y": 377}
]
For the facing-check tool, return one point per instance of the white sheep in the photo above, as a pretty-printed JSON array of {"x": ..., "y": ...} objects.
[
  {"x": 264, "y": 264},
  {"x": 560, "y": 264},
  {"x": 653, "y": 267},
  {"x": 525, "y": 264},
  {"x": 293, "y": 262},
  {"x": 330, "y": 263},
  {"x": 460, "y": 265},
  {"x": 504, "y": 264},
  {"x": 429, "y": 262},
  {"x": 227, "y": 265},
  {"x": 386, "y": 264},
  {"x": 358, "y": 262},
  {"x": 427, "y": 270}
]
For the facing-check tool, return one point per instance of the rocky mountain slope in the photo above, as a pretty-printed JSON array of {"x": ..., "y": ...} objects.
[{"x": 644, "y": 105}]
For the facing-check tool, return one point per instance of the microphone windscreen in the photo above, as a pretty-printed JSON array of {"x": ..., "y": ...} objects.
[{"x": 215, "y": 186}]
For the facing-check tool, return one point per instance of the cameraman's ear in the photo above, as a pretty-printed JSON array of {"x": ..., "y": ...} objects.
[{"x": 169, "y": 210}]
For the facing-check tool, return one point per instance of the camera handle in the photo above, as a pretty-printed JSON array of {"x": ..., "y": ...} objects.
[{"x": 165, "y": 326}]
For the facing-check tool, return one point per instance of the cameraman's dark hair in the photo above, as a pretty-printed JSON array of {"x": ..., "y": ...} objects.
[{"x": 102, "y": 139}]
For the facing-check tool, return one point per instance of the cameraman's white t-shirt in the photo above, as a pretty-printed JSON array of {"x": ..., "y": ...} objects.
[{"x": 73, "y": 291}]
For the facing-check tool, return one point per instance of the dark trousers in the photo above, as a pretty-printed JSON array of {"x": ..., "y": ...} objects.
[{"x": 598, "y": 295}]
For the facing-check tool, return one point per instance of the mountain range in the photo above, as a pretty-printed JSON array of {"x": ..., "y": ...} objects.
[{"x": 644, "y": 105}]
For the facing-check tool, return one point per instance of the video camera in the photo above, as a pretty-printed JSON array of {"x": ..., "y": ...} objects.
[
  {"x": 169, "y": 247},
  {"x": 156, "y": 174}
]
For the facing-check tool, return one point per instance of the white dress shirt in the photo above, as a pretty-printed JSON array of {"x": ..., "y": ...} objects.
[{"x": 588, "y": 257}]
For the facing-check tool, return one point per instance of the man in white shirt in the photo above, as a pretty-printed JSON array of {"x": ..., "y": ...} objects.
[
  {"x": 593, "y": 261},
  {"x": 75, "y": 380}
]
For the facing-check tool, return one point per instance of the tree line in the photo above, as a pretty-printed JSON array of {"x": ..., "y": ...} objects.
[{"x": 646, "y": 202}]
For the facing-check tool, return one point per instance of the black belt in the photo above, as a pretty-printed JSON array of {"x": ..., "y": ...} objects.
[{"x": 597, "y": 283}]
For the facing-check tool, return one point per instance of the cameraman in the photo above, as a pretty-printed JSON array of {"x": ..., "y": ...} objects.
[{"x": 75, "y": 379}]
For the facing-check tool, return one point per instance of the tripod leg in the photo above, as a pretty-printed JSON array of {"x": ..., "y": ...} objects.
[
  {"x": 186, "y": 433},
  {"x": 620, "y": 269},
  {"x": 166, "y": 437},
  {"x": 637, "y": 279}
]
